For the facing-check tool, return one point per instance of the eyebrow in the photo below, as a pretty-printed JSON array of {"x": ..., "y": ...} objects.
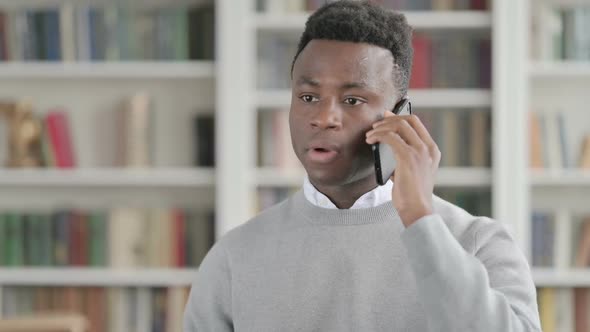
[{"x": 304, "y": 80}]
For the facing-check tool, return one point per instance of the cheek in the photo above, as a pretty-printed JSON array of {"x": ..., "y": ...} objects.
[{"x": 359, "y": 146}]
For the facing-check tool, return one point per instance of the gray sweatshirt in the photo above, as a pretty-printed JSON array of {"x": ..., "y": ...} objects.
[{"x": 299, "y": 267}]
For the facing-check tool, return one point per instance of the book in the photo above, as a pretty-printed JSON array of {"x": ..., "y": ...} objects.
[
  {"x": 13, "y": 248},
  {"x": 480, "y": 133},
  {"x": 563, "y": 234},
  {"x": 585, "y": 153},
  {"x": 552, "y": 141},
  {"x": 3, "y": 239},
  {"x": 547, "y": 309},
  {"x": 126, "y": 238},
  {"x": 60, "y": 138},
  {"x": 421, "y": 74},
  {"x": 4, "y": 136},
  {"x": 97, "y": 246},
  {"x": 136, "y": 131},
  {"x": 67, "y": 32},
  {"x": 564, "y": 304},
  {"x": 576, "y": 42},
  {"x": 61, "y": 235},
  {"x": 450, "y": 134},
  {"x": 535, "y": 141},
  {"x": 204, "y": 140}
]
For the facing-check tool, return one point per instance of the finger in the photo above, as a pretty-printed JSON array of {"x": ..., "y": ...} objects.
[
  {"x": 399, "y": 146},
  {"x": 386, "y": 115},
  {"x": 422, "y": 132},
  {"x": 403, "y": 128}
]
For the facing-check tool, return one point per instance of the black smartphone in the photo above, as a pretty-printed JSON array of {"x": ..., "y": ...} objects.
[{"x": 384, "y": 157}]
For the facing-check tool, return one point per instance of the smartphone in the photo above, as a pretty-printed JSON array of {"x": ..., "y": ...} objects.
[{"x": 384, "y": 157}]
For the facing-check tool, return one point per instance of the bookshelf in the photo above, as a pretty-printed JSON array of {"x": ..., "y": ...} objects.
[
  {"x": 92, "y": 93},
  {"x": 556, "y": 78}
]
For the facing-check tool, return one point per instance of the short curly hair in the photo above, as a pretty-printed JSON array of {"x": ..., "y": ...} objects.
[{"x": 364, "y": 22}]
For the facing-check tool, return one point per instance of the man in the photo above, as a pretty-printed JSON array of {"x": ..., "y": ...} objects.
[{"x": 345, "y": 254}]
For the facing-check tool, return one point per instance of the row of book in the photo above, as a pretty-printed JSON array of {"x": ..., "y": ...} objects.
[
  {"x": 110, "y": 33},
  {"x": 561, "y": 33},
  {"x": 463, "y": 136},
  {"x": 30, "y": 139},
  {"x": 121, "y": 237},
  {"x": 560, "y": 239},
  {"x": 310, "y": 5},
  {"x": 106, "y": 309},
  {"x": 552, "y": 142},
  {"x": 564, "y": 309},
  {"x": 436, "y": 59}
]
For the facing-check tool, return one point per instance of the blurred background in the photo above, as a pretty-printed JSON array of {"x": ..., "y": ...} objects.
[{"x": 133, "y": 134}]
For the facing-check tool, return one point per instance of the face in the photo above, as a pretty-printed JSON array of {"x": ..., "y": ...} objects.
[{"x": 339, "y": 89}]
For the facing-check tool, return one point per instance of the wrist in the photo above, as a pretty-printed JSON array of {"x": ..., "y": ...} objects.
[{"x": 410, "y": 217}]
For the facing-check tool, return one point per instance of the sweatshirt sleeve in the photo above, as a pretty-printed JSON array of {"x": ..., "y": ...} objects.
[
  {"x": 489, "y": 290},
  {"x": 209, "y": 303}
]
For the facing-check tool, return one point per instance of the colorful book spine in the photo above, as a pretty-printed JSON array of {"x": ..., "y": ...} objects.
[{"x": 60, "y": 139}]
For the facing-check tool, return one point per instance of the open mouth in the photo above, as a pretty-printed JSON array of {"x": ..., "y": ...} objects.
[{"x": 321, "y": 155}]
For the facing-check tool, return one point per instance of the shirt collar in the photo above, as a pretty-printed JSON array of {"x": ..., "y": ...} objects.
[{"x": 373, "y": 198}]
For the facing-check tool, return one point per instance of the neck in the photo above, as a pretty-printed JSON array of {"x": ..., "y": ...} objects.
[{"x": 344, "y": 195}]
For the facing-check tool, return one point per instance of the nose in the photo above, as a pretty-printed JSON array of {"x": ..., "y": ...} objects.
[{"x": 327, "y": 116}]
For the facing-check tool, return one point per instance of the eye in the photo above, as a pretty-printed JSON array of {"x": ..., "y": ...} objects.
[
  {"x": 308, "y": 98},
  {"x": 353, "y": 101}
]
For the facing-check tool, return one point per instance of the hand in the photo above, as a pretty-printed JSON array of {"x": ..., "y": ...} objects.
[{"x": 417, "y": 157}]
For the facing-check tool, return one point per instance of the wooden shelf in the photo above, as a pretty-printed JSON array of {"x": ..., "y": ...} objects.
[
  {"x": 464, "y": 177},
  {"x": 108, "y": 70},
  {"x": 420, "y": 20},
  {"x": 549, "y": 277},
  {"x": 80, "y": 276},
  {"x": 112, "y": 177},
  {"x": 447, "y": 177},
  {"x": 560, "y": 69},
  {"x": 426, "y": 98}
]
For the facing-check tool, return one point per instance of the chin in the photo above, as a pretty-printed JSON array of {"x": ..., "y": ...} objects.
[
  {"x": 337, "y": 176},
  {"x": 326, "y": 177}
]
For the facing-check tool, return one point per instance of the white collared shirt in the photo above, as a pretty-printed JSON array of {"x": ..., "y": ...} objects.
[{"x": 373, "y": 198}]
